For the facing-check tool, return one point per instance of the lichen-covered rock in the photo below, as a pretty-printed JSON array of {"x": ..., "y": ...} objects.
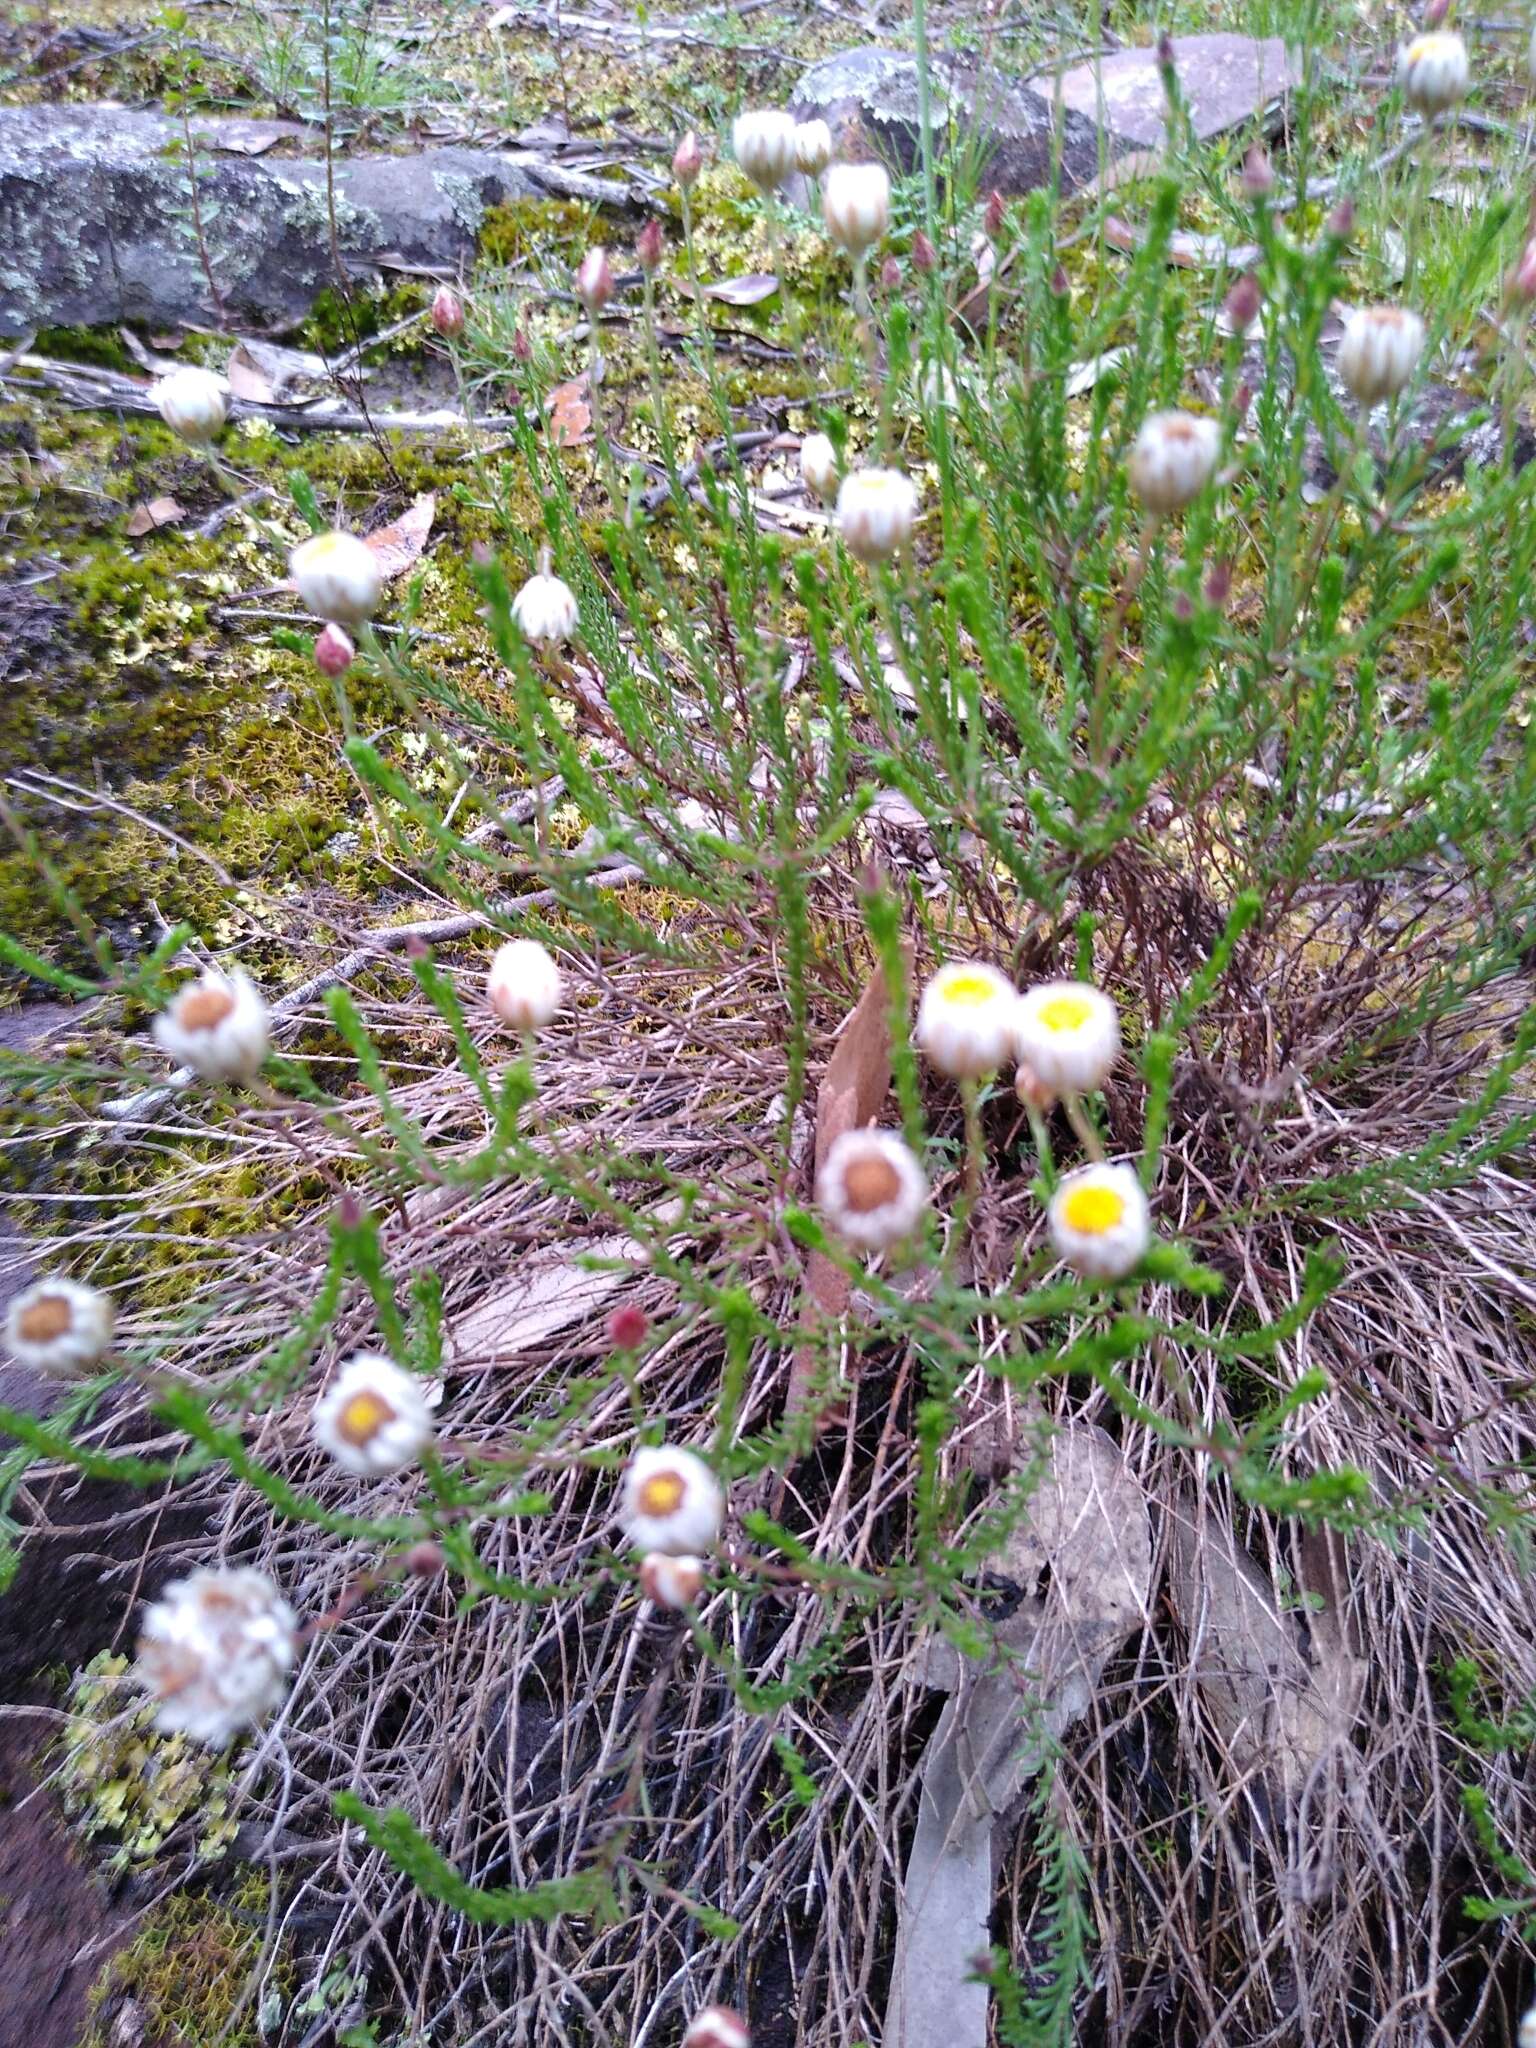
[
  {"x": 98, "y": 224},
  {"x": 1013, "y": 122},
  {"x": 1226, "y": 81}
]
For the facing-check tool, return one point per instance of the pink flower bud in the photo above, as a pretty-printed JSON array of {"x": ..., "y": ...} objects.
[
  {"x": 1061, "y": 284},
  {"x": 1522, "y": 279},
  {"x": 890, "y": 274},
  {"x": 594, "y": 281},
  {"x": 1435, "y": 13},
  {"x": 416, "y": 948},
  {"x": 1258, "y": 173},
  {"x": 1243, "y": 303},
  {"x": 522, "y": 347},
  {"x": 992, "y": 219},
  {"x": 649, "y": 246},
  {"x": 424, "y": 1560},
  {"x": 334, "y": 652},
  {"x": 689, "y": 160},
  {"x": 1032, "y": 1091},
  {"x": 628, "y": 1328},
  {"x": 1165, "y": 51},
  {"x": 447, "y": 312},
  {"x": 349, "y": 1211},
  {"x": 925, "y": 257},
  {"x": 1340, "y": 224},
  {"x": 1242, "y": 398},
  {"x": 1183, "y": 607},
  {"x": 1218, "y": 584}
]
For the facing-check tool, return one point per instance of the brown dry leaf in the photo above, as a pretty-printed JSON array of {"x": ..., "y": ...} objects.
[
  {"x": 157, "y": 512},
  {"x": 1259, "y": 1692},
  {"x": 246, "y": 378},
  {"x": 399, "y": 546},
  {"x": 570, "y": 416}
]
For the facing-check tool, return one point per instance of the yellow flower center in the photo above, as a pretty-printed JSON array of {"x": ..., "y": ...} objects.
[
  {"x": 46, "y": 1318},
  {"x": 363, "y": 1417},
  {"x": 662, "y": 1494},
  {"x": 969, "y": 990},
  {"x": 1093, "y": 1209},
  {"x": 1066, "y": 1013},
  {"x": 869, "y": 1184}
]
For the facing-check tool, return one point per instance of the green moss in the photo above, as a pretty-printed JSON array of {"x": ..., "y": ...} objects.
[
  {"x": 336, "y": 323},
  {"x": 99, "y": 345},
  {"x": 188, "y": 1973}
]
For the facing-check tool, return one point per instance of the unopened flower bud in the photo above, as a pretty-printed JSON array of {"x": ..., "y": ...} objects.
[
  {"x": 672, "y": 1582},
  {"x": 594, "y": 281},
  {"x": 688, "y": 161},
  {"x": 717, "y": 2026},
  {"x": 416, "y": 948},
  {"x": 856, "y": 206},
  {"x": 424, "y": 1560},
  {"x": 1165, "y": 51},
  {"x": 649, "y": 246},
  {"x": 992, "y": 219},
  {"x": 1218, "y": 584},
  {"x": 1032, "y": 1091},
  {"x": 1522, "y": 279},
  {"x": 1340, "y": 224},
  {"x": 447, "y": 312},
  {"x": 349, "y": 1211},
  {"x": 890, "y": 274},
  {"x": 1183, "y": 607},
  {"x": 813, "y": 147},
  {"x": 1435, "y": 13},
  {"x": 628, "y": 1328},
  {"x": 1242, "y": 398},
  {"x": 334, "y": 652},
  {"x": 1243, "y": 303},
  {"x": 1258, "y": 173},
  {"x": 925, "y": 257},
  {"x": 522, "y": 347},
  {"x": 764, "y": 145}
]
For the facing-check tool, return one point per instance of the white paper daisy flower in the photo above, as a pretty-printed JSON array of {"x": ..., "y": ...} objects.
[
  {"x": 671, "y": 1502},
  {"x": 215, "y": 1651},
  {"x": 1067, "y": 1033},
  {"x": 965, "y": 1019},
  {"x": 59, "y": 1328},
  {"x": 373, "y": 1418},
  {"x": 218, "y": 1026},
  {"x": 871, "y": 1189},
  {"x": 1099, "y": 1221}
]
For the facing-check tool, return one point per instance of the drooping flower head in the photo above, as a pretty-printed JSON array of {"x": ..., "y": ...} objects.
[
  {"x": 1067, "y": 1033},
  {"x": 1379, "y": 352},
  {"x": 337, "y": 577},
  {"x": 594, "y": 281},
  {"x": 965, "y": 1019},
  {"x": 1099, "y": 1221},
  {"x": 1172, "y": 460},
  {"x": 871, "y": 1189},
  {"x": 545, "y": 609},
  {"x": 671, "y": 1502},
  {"x": 524, "y": 986},
  {"x": 764, "y": 145},
  {"x": 373, "y": 1418},
  {"x": 217, "y": 1025},
  {"x": 876, "y": 513},
  {"x": 59, "y": 1328},
  {"x": 193, "y": 403},
  {"x": 818, "y": 466},
  {"x": 215, "y": 1652},
  {"x": 856, "y": 206}
]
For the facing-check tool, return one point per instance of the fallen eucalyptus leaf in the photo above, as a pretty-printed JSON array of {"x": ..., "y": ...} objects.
[
  {"x": 397, "y": 547},
  {"x": 157, "y": 512}
]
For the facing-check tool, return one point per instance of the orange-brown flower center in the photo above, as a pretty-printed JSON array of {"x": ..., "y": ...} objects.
[
  {"x": 201, "y": 1009},
  {"x": 870, "y": 1183},
  {"x": 46, "y": 1318},
  {"x": 662, "y": 1493},
  {"x": 363, "y": 1417}
]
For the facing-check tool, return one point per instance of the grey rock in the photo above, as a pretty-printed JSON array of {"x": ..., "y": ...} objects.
[
  {"x": 97, "y": 227},
  {"x": 1226, "y": 81},
  {"x": 1012, "y": 122}
]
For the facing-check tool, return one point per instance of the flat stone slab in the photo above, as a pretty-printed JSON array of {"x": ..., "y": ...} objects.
[
  {"x": 878, "y": 89},
  {"x": 1226, "y": 80},
  {"x": 97, "y": 226}
]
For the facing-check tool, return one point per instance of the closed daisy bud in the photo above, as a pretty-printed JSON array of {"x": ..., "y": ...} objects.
[
  {"x": 218, "y": 1026},
  {"x": 717, "y": 2026},
  {"x": 1242, "y": 303},
  {"x": 334, "y": 652},
  {"x": 671, "y": 1502},
  {"x": 1032, "y": 1091},
  {"x": 628, "y": 1327},
  {"x": 545, "y": 609},
  {"x": 1258, "y": 172},
  {"x": 447, "y": 312},
  {"x": 192, "y": 403},
  {"x": 813, "y": 147},
  {"x": 925, "y": 258},
  {"x": 1379, "y": 352},
  {"x": 425, "y": 1560},
  {"x": 1099, "y": 1221},
  {"x": 1172, "y": 460},
  {"x": 594, "y": 281},
  {"x": 992, "y": 219},
  {"x": 688, "y": 161},
  {"x": 373, "y": 1418},
  {"x": 215, "y": 1652},
  {"x": 524, "y": 986},
  {"x": 965, "y": 1019},
  {"x": 856, "y": 206},
  {"x": 871, "y": 1189},
  {"x": 59, "y": 1328},
  {"x": 338, "y": 577},
  {"x": 1068, "y": 1032},
  {"x": 648, "y": 247},
  {"x": 673, "y": 1582},
  {"x": 876, "y": 512},
  {"x": 1434, "y": 73},
  {"x": 818, "y": 466},
  {"x": 764, "y": 146},
  {"x": 1522, "y": 279}
]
